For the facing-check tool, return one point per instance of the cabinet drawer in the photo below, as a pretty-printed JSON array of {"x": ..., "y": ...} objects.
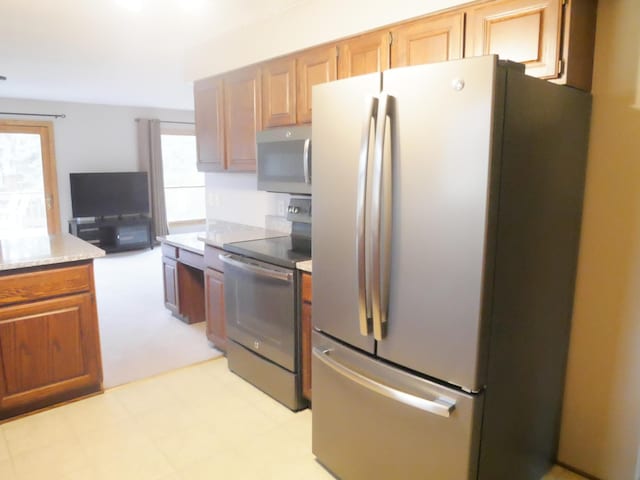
[
  {"x": 211, "y": 259},
  {"x": 52, "y": 282},
  {"x": 169, "y": 251},
  {"x": 194, "y": 260},
  {"x": 306, "y": 288}
]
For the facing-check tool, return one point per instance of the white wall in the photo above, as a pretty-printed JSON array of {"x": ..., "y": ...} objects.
[
  {"x": 233, "y": 197},
  {"x": 306, "y": 24},
  {"x": 601, "y": 418},
  {"x": 91, "y": 138}
]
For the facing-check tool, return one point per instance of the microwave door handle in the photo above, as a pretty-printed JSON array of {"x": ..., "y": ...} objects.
[
  {"x": 307, "y": 161},
  {"x": 381, "y": 209},
  {"x": 364, "y": 299}
]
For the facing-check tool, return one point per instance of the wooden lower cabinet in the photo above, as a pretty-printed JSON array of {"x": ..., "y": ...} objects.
[
  {"x": 183, "y": 277},
  {"x": 306, "y": 328},
  {"x": 214, "y": 297},
  {"x": 214, "y": 306},
  {"x": 170, "y": 277},
  {"x": 49, "y": 348}
]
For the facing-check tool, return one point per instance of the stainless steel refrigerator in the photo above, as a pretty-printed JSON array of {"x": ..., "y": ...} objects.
[{"x": 447, "y": 203}]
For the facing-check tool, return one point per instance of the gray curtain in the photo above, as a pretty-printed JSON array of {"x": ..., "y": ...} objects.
[{"x": 150, "y": 161}]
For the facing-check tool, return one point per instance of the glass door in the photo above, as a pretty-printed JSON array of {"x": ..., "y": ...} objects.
[{"x": 28, "y": 185}]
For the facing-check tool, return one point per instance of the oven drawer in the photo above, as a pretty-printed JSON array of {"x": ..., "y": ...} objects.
[{"x": 259, "y": 301}]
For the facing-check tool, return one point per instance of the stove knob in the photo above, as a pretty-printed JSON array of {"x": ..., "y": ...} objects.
[{"x": 296, "y": 210}]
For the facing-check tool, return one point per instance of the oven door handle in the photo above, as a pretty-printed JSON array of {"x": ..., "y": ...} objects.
[{"x": 265, "y": 272}]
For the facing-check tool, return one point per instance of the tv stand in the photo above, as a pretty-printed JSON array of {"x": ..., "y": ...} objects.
[{"x": 114, "y": 234}]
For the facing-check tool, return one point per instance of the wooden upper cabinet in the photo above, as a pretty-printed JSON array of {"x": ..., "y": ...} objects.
[
  {"x": 279, "y": 92},
  {"x": 208, "y": 101},
  {"x": 429, "y": 40},
  {"x": 525, "y": 31},
  {"x": 315, "y": 66},
  {"x": 367, "y": 53},
  {"x": 241, "y": 118}
]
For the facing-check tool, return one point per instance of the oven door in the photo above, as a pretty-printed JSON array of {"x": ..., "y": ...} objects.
[{"x": 259, "y": 306}]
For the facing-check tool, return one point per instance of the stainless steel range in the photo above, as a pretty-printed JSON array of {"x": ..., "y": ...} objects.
[{"x": 261, "y": 307}]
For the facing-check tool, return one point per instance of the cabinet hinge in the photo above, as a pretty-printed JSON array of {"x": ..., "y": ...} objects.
[
  {"x": 560, "y": 67},
  {"x": 390, "y": 38}
]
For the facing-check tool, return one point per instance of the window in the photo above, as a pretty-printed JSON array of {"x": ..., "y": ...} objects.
[
  {"x": 28, "y": 187},
  {"x": 183, "y": 184}
]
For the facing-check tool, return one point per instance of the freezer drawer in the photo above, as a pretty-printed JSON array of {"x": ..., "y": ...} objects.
[{"x": 373, "y": 421}]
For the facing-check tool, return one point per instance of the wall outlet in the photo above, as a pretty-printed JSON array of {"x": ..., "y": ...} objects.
[{"x": 281, "y": 207}]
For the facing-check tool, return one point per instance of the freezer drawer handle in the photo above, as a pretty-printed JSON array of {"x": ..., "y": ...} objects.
[
  {"x": 439, "y": 406},
  {"x": 265, "y": 272}
]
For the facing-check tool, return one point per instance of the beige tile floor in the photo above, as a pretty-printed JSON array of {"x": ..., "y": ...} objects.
[{"x": 198, "y": 422}]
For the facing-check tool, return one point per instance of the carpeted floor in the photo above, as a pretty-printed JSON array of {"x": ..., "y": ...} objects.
[{"x": 139, "y": 336}]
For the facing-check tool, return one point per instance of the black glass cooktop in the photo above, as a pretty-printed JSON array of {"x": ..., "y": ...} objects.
[{"x": 282, "y": 251}]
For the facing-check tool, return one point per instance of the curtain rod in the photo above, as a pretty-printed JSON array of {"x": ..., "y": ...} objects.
[
  {"x": 54, "y": 115},
  {"x": 169, "y": 121}
]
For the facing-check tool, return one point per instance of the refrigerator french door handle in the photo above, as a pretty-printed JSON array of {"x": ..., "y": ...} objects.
[
  {"x": 441, "y": 406},
  {"x": 381, "y": 231},
  {"x": 307, "y": 161},
  {"x": 364, "y": 273}
]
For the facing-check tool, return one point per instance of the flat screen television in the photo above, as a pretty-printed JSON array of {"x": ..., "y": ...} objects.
[{"x": 109, "y": 193}]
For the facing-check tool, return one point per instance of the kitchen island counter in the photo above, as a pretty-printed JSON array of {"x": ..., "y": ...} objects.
[
  {"x": 17, "y": 253},
  {"x": 49, "y": 340}
]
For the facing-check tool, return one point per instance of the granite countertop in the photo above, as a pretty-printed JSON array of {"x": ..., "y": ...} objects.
[
  {"x": 189, "y": 241},
  {"x": 220, "y": 232},
  {"x": 44, "y": 250},
  {"x": 304, "y": 266}
]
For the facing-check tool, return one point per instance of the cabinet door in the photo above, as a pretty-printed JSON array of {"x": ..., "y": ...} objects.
[
  {"x": 242, "y": 118},
  {"x": 214, "y": 305},
  {"x": 279, "y": 92},
  {"x": 367, "y": 53},
  {"x": 49, "y": 352},
  {"x": 316, "y": 66},
  {"x": 305, "y": 321},
  {"x": 434, "y": 39},
  {"x": 207, "y": 95},
  {"x": 170, "y": 277},
  {"x": 525, "y": 31},
  {"x": 306, "y": 350}
]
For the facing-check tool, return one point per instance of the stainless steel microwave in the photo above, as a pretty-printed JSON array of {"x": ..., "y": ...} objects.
[{"x": 284, "y": 159}]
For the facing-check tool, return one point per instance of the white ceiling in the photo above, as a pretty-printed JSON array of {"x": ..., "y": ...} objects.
[{"x": 122, "y": 52}]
